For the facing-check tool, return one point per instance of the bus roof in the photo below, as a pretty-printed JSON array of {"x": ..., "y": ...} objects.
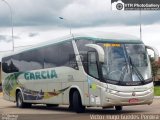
[
  {"x": 96, "y": 36},
  {"x": 109, "y": 37}
]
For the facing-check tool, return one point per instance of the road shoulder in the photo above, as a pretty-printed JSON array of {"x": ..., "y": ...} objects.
[{"x": 157, "y": 97}]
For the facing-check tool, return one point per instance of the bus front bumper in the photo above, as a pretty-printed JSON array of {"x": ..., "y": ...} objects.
[{"x": 114, "y": 98}]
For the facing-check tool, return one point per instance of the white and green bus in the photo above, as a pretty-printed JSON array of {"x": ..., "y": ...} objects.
[{"x": 80, "y": 70}]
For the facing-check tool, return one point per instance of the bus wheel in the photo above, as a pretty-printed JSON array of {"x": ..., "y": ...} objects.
[
  {"x": 118, "y": 108},
  {"x": 19, "y": 100},
  {"x": 77, "y": 103},
  {"x": 52, "y": 105},
  {"x": 28, "y": 105}
]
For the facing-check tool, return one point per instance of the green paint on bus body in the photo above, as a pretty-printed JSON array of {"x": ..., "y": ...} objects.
[{"x": 40, "y": 75}]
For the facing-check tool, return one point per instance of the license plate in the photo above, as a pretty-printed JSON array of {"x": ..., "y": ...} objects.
[{"x": 133, "y": 100}]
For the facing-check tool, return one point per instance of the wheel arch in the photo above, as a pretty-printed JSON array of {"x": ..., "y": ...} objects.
[
  {"x": 71, "y": 91},
  {"x": 18, "y": 90}
]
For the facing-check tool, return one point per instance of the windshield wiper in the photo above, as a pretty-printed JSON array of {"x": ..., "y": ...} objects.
[
  {"x": 125, "y": 69},
  {"x": 136, "y": 70}
]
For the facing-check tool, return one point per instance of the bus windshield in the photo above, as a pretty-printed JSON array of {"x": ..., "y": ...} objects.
[{"x": 125, "y": 63}]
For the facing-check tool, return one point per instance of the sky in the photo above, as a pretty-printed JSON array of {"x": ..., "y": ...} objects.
[{"x": 36, "y": 21}]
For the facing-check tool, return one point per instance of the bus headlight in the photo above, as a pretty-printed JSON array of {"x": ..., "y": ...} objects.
[
  {"x": 112, "y": 91},
  {"x": 151, "y": 90}
]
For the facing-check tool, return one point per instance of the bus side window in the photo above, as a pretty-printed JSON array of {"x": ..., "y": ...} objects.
[
  {"x": 9, "y": 64},
  {"x": 5, "y": 65},
  {"x": 83, "y": 51},
  {"x": 92, "y": 64},
  {"x": 31, "y": 60},
  {"x": 60, "y": 55}
]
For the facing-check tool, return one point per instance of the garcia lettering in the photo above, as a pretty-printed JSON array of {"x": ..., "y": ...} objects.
[{"x": 40, "y": 75}]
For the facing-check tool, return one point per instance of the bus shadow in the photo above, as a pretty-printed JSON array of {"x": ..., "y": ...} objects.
[
  {"x": 112, "y": 111},
  {"x": 58, "y": 109},
  {"x": 88, "y": 110}
]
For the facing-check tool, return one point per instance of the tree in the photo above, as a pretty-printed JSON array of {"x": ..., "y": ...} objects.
[{"x": 155, "y": 67}]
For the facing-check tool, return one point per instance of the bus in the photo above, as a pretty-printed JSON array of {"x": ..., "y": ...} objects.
[{"x": 80, "y": 70}]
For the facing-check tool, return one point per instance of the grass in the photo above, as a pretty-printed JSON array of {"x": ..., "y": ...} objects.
[{"x": 157, "y": 90}]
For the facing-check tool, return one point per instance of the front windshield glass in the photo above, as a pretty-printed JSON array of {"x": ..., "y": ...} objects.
[
  {"x": 125, "y": 63},
  {"x": 115, "y": 61},
  {"x": 139, "y": 59}
]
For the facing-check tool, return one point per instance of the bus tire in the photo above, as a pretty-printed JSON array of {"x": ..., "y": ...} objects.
[
  {"x": 19, "y": 100},
  {"x": 77, "y": 103},
  {"x": 52, "y": 105},
  {"x": 118, "y": 108},
  {"x": 28, "y": 105}
]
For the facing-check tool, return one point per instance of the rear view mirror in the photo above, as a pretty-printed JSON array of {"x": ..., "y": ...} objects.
[
  {"x": 156, "y": 54},
  {"x": 99, "y": 50}
]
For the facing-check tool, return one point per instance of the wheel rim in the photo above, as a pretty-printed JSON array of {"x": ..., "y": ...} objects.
[{"x": 19, "y": 101}]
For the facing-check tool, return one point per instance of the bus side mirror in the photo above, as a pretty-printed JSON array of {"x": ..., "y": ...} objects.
[
  {"x": 99, "y": 50},
  {"x": 156, "y": 54}
]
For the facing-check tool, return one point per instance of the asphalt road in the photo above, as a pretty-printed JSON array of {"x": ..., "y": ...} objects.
[{"x": 41, "y": 112}]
